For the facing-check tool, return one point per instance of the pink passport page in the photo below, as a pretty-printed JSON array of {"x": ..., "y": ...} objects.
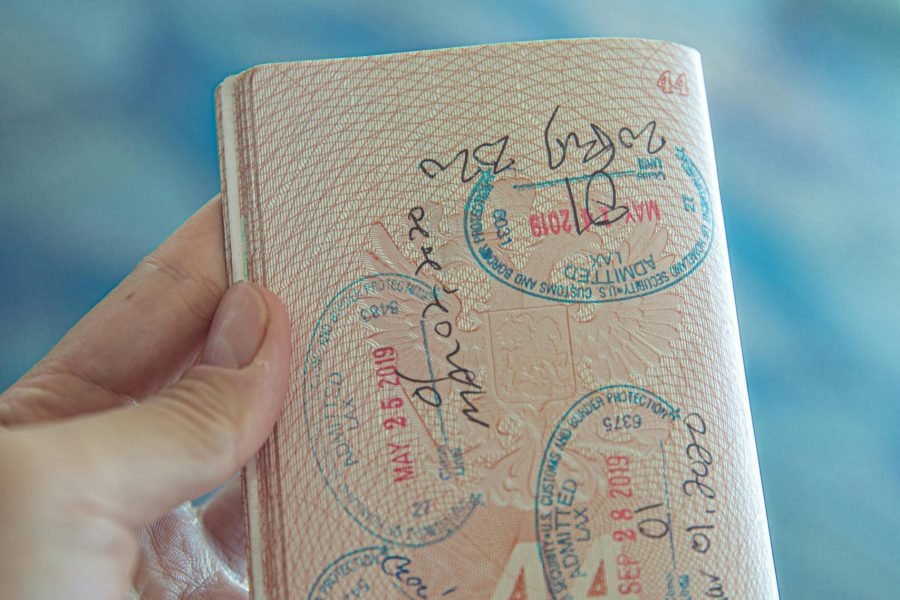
[{"x": 517, "y": 370}]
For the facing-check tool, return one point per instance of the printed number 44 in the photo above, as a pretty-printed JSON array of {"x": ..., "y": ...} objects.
[{"x": 670, "y": 84}]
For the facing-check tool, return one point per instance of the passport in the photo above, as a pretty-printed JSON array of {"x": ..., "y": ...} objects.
[{"x": 516, "y": 366}]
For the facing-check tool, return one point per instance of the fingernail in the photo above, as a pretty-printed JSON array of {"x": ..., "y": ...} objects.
[{"x": 238, "y": 328}]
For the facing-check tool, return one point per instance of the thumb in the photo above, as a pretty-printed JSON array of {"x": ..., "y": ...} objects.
[{"x": 144, "y": 460}]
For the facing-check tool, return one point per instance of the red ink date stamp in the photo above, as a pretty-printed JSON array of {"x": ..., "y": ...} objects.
[{"x": 386, "y": 373}]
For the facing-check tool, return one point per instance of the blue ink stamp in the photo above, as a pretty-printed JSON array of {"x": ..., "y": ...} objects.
[
  {"x": 603, "y": 237},
  {"x": 374, "y": 572},
  {"x": 351, "y": 576},
  {"x": 592, "y": 480},
  {"x": 393, "y": 459}
]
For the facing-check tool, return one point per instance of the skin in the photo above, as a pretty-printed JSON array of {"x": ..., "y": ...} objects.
[{"x": 157, "y": 396}]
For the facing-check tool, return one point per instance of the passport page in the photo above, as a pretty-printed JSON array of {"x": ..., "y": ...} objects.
[{"x": 517, "y": 370}]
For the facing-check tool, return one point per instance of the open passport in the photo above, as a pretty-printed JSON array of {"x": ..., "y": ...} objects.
[{"x": 517, "y": 370}]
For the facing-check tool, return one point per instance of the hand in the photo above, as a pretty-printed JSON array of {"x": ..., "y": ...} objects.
[{"x": 156, "y": 397}]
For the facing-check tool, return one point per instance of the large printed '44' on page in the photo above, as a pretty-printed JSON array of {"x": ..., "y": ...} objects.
[{"x": 517, "y": 370}]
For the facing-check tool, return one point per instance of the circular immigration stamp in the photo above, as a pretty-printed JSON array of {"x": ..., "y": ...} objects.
[
  {"x": 594, "y": 528},
  {"x": 375, "y": 572},
  {"x": 631, "y": 228},
  {"x": 383, "y": 438},
  {"x": 355, "y": 574}
]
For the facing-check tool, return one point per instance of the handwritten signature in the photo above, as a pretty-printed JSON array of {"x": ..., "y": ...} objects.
[
  {"x": 597, "y": 203},
  {"x": 427, "y": 390}
]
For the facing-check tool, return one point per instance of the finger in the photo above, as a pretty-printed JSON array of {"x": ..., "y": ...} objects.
[
  {"x": 223, "y": 520},
  {"x": 138, "y": 462},
  {"x": 176, "y": 562},
  {"x": 139, "y": 338}
]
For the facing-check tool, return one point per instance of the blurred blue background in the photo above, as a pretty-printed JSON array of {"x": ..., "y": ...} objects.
[{"x": 107, "y": 143}]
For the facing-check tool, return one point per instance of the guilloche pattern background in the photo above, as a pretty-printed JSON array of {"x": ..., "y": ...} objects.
[
  {"x": 318, "y": 174},
  {"x": 107, "y": 143}
]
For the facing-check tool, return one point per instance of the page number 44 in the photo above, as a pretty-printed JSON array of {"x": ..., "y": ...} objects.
[{"x": 670, "y": 83}]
